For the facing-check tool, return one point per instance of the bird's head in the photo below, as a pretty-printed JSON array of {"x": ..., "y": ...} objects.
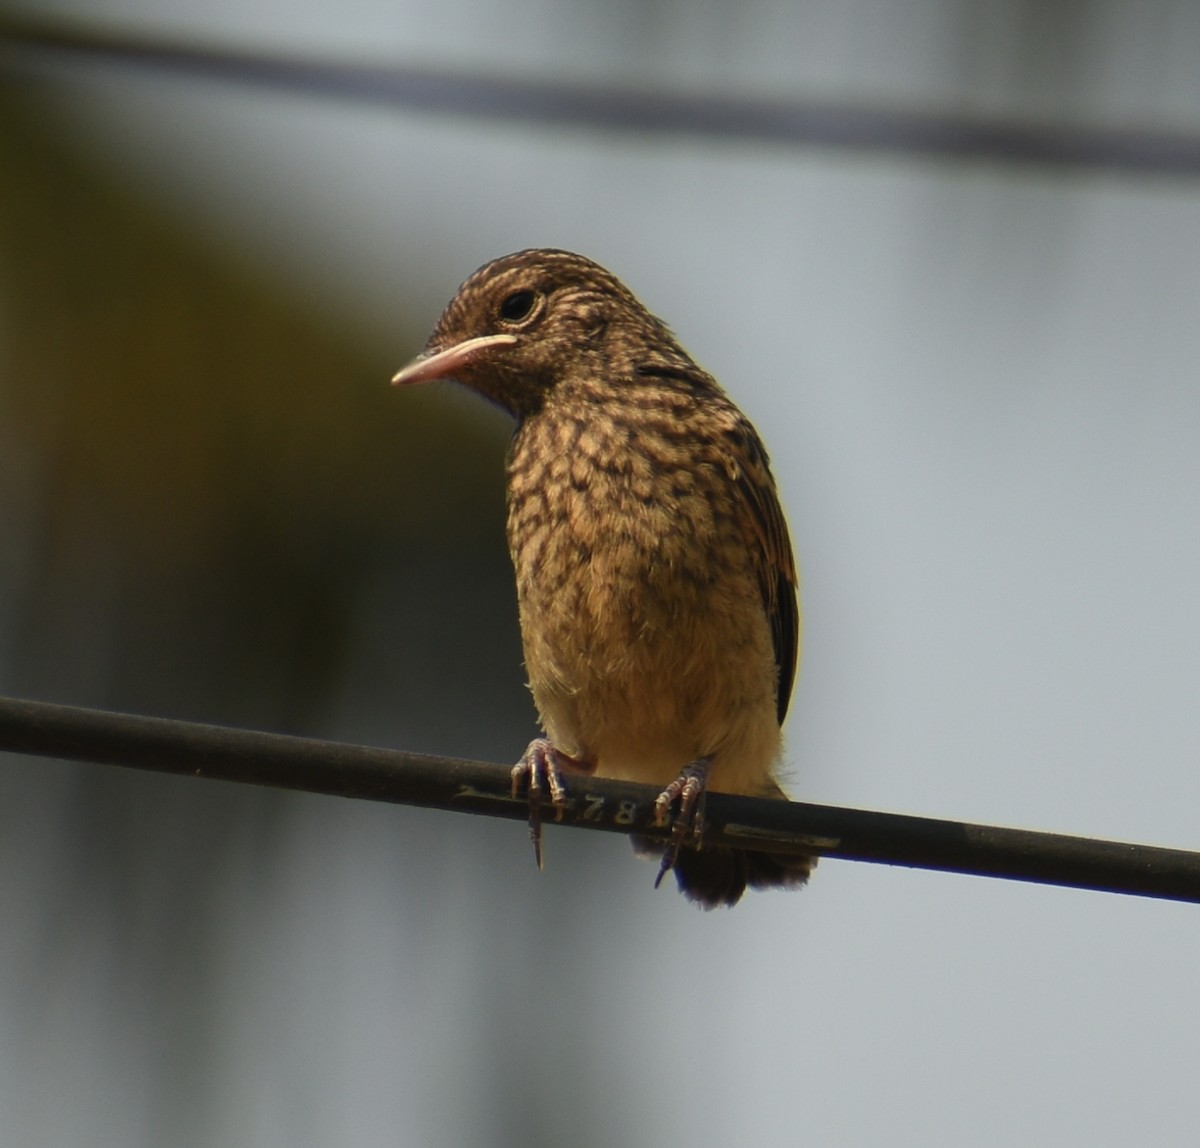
[{"x": 524, "y": 324}]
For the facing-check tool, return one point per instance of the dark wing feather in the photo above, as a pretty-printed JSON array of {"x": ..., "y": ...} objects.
[{"x": 767, "y": 535}]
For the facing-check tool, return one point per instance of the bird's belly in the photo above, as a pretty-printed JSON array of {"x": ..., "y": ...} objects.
[{"x": 638, "y": 671}]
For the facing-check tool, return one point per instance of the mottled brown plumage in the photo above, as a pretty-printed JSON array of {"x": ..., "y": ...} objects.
[{"x": 655, "y": 577}]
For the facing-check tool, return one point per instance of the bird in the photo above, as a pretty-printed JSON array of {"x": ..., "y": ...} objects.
[{"x": 656, "y": 584}]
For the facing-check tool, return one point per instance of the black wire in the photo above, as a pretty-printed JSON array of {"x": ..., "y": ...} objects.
[
  {"x": 595, "y": 803},
  {"x": 800, "y": 123}
]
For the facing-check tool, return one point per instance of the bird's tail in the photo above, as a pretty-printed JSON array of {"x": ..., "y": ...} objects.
[{"x": 717, "y": 875}]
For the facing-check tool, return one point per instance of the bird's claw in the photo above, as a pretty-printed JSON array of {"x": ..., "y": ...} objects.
[
  {"x": 540, "y": 768},
  {"x": 689, "y": 789}
]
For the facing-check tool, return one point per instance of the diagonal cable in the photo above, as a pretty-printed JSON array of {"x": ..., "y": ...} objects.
[
  {"x": 374, "y": 774},
  {"x": 785, "y": 121}
]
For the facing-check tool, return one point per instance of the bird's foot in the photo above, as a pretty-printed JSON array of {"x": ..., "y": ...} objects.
[
  {"x": 541, "y": 768},
  {"x": 688, "y": 789}
]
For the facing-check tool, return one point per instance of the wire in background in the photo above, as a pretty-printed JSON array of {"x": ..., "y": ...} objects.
[{"x": 555, "y": 103}]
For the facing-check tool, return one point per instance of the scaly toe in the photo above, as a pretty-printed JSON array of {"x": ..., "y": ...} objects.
[
  {"x": 540, "y": 768},
  {"x": 689, "y": 788}
]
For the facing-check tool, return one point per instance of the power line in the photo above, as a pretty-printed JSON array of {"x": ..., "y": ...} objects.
[
  {"x": 566, "y": 104},
  {"x": 343, "y": 770}
]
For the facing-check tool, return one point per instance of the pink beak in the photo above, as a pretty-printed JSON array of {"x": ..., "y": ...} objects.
[{"x": 443, "y": 364}]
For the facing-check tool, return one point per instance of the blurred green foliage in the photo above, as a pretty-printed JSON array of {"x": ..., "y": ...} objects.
[{"x": 209, "y": 473}]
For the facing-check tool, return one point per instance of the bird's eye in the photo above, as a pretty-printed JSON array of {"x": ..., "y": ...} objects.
[{"x": 517, "y": 306}]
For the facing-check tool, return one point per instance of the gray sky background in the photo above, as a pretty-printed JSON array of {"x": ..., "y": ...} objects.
[{"x": 980, "y": 386}]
